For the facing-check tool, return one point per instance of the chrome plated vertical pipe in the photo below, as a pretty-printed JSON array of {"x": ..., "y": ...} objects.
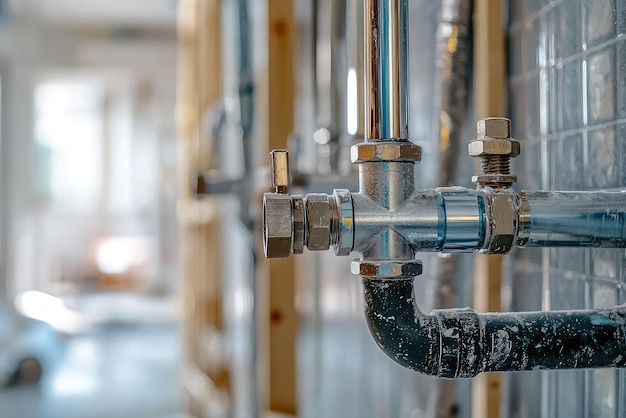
[
  {"x": 386, "y": 76},
  {"x": 372, "y": 70},
  {"x": 395, "y": 70}
]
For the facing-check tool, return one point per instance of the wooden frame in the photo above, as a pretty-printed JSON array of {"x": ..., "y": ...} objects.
[{"x": 490, "y": 99}]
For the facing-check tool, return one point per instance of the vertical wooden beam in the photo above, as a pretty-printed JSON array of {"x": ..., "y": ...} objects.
[
  {"x": 281, "y": 312},
  {"x": 199, "y": 88},
  {"x": 490, "y": 99},
  {"x": 185, "y": 111}
]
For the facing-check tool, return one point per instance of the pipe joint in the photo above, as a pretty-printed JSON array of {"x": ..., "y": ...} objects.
[
  {"x": 460, "y": 342},
  {"x": 502, "y": 220}
]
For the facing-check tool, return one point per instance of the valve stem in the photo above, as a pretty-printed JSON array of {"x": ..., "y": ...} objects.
[{"x": 279, "y": 170}]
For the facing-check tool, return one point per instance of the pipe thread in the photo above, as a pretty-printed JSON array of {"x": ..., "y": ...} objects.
[{"x": 496, "y": 164}]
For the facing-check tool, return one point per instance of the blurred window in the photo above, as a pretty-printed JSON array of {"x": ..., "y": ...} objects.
[{"x": 69, "y": 135}]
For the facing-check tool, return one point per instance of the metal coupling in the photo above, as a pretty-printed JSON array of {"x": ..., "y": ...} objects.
[
  {"x": 316, "y": 221},
  {"x": 501, "y": 221},
  {"x": 329, "y": 220},
  {"x": 495, "y": 148}
]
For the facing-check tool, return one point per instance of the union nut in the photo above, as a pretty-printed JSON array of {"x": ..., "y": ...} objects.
[
  {"x": 502, "y": 223},
  {"x": 387, "y": 151},
  {"x": 387, "y": 269},
  {"x": 277, "y": 225},
  {"x": 318, "y": 218}
]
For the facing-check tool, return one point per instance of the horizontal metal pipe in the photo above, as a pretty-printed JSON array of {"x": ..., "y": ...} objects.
[
  {"x": 572, "y": 219},
  {"x": 457, "y": 343}
]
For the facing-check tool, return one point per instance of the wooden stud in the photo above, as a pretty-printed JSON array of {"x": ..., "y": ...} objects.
[
  {"x": 280, "y": 312},
  {"x": 490, "y": 99},
  {"x": 199, "y": 89}
]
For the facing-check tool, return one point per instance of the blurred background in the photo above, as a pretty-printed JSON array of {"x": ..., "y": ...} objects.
[
  {"x": 133, "y": 157},
  {"x": 88, "y": 233}
]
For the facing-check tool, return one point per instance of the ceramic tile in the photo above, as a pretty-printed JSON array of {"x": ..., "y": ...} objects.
[{"x": 601, "y": 84}]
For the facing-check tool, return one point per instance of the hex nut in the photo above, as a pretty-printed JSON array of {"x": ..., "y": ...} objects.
[
  {"x": 297, "y": 207},
  {"x": 494, "y": 179},
  {"x": 491, "y": 146},
  {"x": 277, "y": 225},
  {"x": 494, "y": 128},
  {"x": 502, "y": 223},
  {"x": 387, "y": 269},
  {"x": 389, "y": 151},
  {"x": 318, "y": 221}
]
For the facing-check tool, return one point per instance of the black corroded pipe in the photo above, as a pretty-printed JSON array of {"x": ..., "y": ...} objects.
[
  {"x": 461, "y": 343},
  {"x": 400, "y": 329},
  {"x": 555, "y": 340}
]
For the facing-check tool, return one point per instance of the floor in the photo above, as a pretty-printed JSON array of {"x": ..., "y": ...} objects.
[{"x": 120, "y": 370}]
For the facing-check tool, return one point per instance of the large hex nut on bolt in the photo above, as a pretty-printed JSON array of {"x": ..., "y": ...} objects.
[
  {"x": 277, "y": 225},
  {"x": 388, "y": 151},
  {"x": 387, "y": 269},
  {"x": 493, "y": 146},
  {"x": 318, "y": 221}
]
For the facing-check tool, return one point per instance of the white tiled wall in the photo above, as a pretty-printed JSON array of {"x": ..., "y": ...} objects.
[{"x": 568, "y": 107}]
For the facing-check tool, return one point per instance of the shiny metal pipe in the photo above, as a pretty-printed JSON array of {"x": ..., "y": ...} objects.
[
  {"x": 572, "y": 219},
  {"x": 386, "y": 80},
  {"x": 372, "y": 70},
  {"x": 391, "y": 64}
]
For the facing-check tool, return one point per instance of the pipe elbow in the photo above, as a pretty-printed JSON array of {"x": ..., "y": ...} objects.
[
  {"x": 456, "y": 343},
  {"x": 443, "y": 344}
]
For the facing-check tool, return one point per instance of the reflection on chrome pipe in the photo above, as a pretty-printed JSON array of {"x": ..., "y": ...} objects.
[
  {"x": 386, "y": 80},
  {"x": 372, "y": 71},
  {"x": 393, "y": 58},
  {"x": 572, "y": 219}
]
